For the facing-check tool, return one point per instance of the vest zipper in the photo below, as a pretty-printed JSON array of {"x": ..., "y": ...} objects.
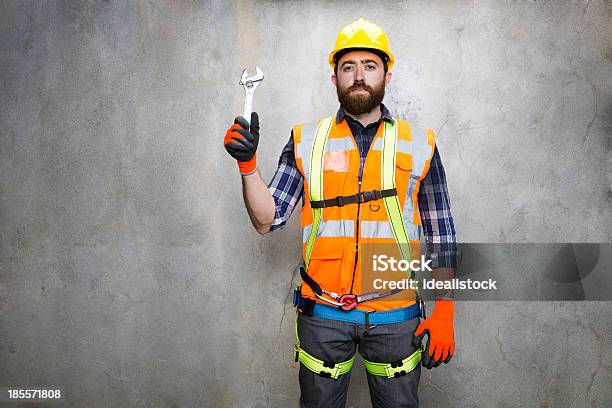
[{"x": 357, "y": 228}]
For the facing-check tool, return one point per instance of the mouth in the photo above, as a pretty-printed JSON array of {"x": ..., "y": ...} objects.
[{"x": 360, "y": 90}]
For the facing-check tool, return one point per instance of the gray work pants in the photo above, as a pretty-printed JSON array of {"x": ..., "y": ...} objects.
[{"x": 336, "y": 341}]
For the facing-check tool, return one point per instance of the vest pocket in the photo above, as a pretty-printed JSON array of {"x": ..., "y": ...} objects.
[
  {"x": 404, "y": 162},
  {"x": 403, "y": 172},
  {"x": 325, "y": 265}
]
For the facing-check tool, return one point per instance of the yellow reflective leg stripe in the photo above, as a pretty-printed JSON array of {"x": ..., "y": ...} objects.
[
  {"x": 320, "y": 367},
  {"x": 391, "y": 370},
  {"x": 316, "y": 180},
  {"x": 314, "y": 364}
]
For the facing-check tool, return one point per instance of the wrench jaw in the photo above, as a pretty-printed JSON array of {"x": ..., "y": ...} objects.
[
  {"x": 250, "y": 83},
  {"x": 259, "y": 73},
  {"x": 244, "y": 77}
]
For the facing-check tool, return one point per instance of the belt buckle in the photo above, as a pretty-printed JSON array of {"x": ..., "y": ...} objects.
[
  {"x": 368, "y": 196},
  {"x": 367, "y": 320}
]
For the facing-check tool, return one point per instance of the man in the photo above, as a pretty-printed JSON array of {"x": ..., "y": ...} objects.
[{"x": 366, "y": 179}]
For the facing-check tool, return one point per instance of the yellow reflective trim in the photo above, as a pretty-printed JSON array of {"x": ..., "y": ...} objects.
[
  {"x": 392, "y": 205},
  {"x": 316, "y": 180}
]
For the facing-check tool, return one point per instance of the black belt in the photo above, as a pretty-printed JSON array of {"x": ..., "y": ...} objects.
[{"x": 363, "y": 197}]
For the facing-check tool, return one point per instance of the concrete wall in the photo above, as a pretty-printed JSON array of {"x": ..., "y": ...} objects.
[{"x": 130, "y": 275}]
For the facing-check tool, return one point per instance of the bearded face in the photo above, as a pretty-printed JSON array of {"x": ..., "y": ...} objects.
[
  {"x": 360, "y": 78},
  {"x": 360, "y": 98}
]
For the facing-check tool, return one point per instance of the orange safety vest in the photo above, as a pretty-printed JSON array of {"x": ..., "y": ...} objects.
[{"x": 335, "y": 258}]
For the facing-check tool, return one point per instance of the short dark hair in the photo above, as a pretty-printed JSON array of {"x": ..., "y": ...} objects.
[{"x": 384, "y": 57}]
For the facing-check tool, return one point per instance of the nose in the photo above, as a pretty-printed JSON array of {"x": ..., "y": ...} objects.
[{"x": 359, "y": 72}]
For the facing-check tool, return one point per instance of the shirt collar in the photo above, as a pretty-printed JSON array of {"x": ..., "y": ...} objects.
[{"x": 386, "y": 115}]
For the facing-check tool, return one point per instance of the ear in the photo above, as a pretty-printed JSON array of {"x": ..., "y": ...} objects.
[
  {"x": 388, "y": 76},
  {"x": 334, "y": 79}
]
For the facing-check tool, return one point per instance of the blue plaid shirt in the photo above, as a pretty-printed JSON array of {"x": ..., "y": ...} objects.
[{"x": 287, "y": 186}]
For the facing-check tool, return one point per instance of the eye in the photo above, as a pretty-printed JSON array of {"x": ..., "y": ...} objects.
[
  {"x": 347, "y": 68},
  {"x": 370, "y": 67}
]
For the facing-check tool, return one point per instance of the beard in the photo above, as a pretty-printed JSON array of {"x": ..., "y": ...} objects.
[{"x": 358, "y": 104}]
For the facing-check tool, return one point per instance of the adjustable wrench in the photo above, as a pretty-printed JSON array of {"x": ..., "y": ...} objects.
[{"x": 250, "y": 83}]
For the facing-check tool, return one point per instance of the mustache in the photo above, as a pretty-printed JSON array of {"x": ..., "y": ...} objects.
[{"x": 360, "y": 85}]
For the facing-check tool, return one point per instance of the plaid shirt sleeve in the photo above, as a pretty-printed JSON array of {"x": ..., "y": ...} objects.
[
  {"x": 286, "y": 186},
  {"x": 438, "y": 226}
]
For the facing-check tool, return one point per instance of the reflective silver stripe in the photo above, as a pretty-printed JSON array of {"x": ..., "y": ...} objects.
[
  {"x": 304, "y": 147},
  {"x": 408, "y": 211},
  {"x": 413, "y": 231},
  {"x": 375, "y": 229},
  {"x": 377, "y": 145},
  {"x": 339, "y": 144},
  {"x": 403, "y": 146},
  {"x": 337, "y": 228},
  {"x": 421, "y": 152},
  {"x": 382, "y": 229},
  {"x": 331, "y": 228}
]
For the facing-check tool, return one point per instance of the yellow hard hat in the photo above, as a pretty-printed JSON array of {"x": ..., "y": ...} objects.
[{"x": 362, "y": 34}]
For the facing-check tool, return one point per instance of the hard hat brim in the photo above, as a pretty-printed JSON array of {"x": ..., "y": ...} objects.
[{"x": 361, "y": 47}]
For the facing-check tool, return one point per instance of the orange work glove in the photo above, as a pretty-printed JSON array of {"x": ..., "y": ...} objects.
[
  {"x": 440, "y": 337},
  {"x": 241, "y": 142}
]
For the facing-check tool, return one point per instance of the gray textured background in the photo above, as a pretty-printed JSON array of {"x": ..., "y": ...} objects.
[{"x": 130, "y": 275}]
